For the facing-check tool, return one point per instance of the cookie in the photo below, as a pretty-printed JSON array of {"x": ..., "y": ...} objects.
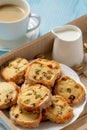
[
  {"x": 70, "y": 89},
  {"x": 34, "y": 98},
  {"x": 43, "y": 71},
  {"x": 14, "y": 70},
  {"x": 59, "y": 111},
  {"x": 8, "y": 94},
  {"x": 25, "y": 119}
]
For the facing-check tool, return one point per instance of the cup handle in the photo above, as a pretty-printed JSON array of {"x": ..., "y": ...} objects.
[{"x": 38, "y": 21}]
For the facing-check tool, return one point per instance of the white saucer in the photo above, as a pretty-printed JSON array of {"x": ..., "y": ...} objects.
[{"x": 6, "y": 45}]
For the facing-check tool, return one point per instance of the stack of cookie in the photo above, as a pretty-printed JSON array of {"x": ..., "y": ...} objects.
[{"x": 38, "y": 91}]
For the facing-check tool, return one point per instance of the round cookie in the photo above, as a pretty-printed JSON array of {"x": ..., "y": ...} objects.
[
  {"x": 8, "y": 94},
  {"x": 43, "y": 71},
  {"x": 25, "y": 119},
  {"x": 14, "y": 70},
  {"x": 59, "y": 111},
  {"x": 34, "y": 98},
  {"x": 69, "y": 89}
]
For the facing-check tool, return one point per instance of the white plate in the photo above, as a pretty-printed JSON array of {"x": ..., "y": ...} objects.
[
  {"x": 6, "y": 45},
  {"x": 68, "y": 71},
  {"x": 47, "y": 125}
]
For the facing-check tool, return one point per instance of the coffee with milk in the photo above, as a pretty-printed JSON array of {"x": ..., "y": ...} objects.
[
  {"x": 15, "y": 16},
  {"x": 10, "y": 12}
]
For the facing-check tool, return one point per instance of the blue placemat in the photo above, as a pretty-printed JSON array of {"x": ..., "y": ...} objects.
[{"x": 2, "y": 51}]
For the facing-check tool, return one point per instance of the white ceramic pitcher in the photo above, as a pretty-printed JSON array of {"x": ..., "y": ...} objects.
[{"x": 68, "y": 45}]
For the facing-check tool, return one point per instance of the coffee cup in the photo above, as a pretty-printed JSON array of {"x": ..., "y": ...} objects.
[
  {"x": 68, "y": 45},
  {"x": 14, "y": 19}
]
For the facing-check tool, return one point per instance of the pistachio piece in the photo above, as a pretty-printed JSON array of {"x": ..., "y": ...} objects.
[
  {"x": 85, "y": 47},
  {"x": 41, "y": 56},
  {"x": 68, "y": 90},
  {"x": 59, "y": 113},
  {"x": 85, "y": 73},
  {"x": 78, "y": 67}
]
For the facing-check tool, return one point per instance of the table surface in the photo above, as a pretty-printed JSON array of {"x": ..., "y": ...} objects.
[{"x": 55, "y": 13}]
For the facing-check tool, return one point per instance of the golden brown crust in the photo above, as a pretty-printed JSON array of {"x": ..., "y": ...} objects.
[
  {"x": 70, "y": 89},
  {"x": 59, "y": 111},
  {"x": 25, "y": 86},
  {"x": 25, "y": 119},
  {"x": 8, "y": 94},
  {"x": 43, "y": 71},
  {"x": 35, "y": 98},
  {"x": 14, "y": 70}
]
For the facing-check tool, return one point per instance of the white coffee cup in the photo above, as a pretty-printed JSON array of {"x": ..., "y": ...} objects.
[
  {"x": 68, "y": 45},
  {"x": 15, "y": 28}
]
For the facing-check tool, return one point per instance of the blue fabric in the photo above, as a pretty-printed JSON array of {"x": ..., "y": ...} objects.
[
  {"x": 3, "y": 125},
  {"x": 57, "y": 12},
  {"x": 3, "y": 52}
]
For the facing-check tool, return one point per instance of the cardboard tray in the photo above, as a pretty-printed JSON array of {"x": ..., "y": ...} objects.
[{"x": 43, "y": 45}]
